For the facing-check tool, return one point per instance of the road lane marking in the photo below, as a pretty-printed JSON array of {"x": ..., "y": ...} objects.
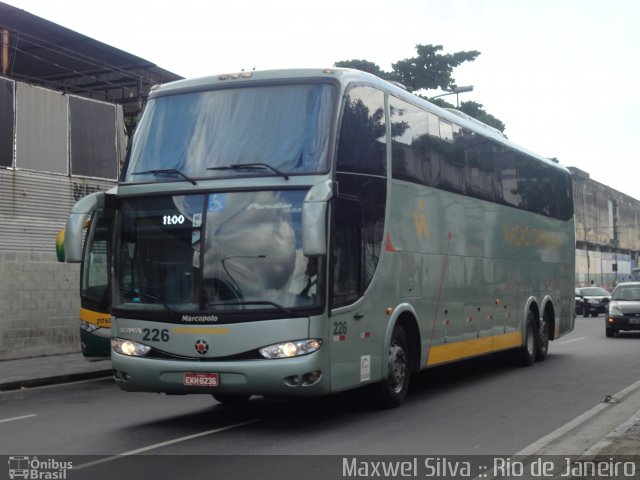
[
  {"x": 18, "y": 418},
  {"x": 163, "y": 444},
  {"x": 572, "y": 340}
]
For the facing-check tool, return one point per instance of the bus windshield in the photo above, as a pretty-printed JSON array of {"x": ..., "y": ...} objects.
[
  {"x": 226, "y": 252},
  {"x": 197, "y": 134}
]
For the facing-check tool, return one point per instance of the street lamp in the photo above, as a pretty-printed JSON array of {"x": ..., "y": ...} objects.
[{"x": 457, "y": 91}]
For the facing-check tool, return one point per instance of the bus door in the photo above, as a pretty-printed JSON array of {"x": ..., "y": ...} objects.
[{"x": 95, "y": 287}]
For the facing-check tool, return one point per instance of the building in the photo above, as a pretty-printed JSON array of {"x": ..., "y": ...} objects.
[
  {"x": 607, "y": 232},
  {"x": 67, "y": 104}
]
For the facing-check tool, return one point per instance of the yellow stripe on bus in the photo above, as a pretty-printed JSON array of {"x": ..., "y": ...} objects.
[
  {"x": 100, "y": 319},
  {"x": 450, "y": 352},
  {"x": 201, "y": 330}
]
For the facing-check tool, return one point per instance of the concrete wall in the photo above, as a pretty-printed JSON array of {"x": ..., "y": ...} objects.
[
  {"x": 607, "y": 232},
  {"x": 39, "y": 306}
]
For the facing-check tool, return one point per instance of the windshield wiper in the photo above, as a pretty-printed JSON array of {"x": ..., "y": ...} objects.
[
  {"x": 166, "y": 171},
  {"x": 259, "y": 302},
  {"x": 152, "y": 297},
  {"x": 251, "y": 166}
]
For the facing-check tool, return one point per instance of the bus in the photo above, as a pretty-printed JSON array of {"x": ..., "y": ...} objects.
[
  {"x": 305, "y": 232},
  {"x": 95, "y": 288}
]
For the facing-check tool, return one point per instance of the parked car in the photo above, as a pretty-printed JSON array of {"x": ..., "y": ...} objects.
[
  {"x": 624, "y": 309},
  {"x": 579, "y": 302},
  {"x": 592, "y": 301}
]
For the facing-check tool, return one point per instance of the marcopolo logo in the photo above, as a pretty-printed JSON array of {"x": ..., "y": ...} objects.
[
  {"x": 37, "y": 469},
  {"x": 199, "y": 318}
]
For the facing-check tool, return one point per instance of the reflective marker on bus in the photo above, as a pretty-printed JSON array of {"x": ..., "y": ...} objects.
[{"x": 305, "y": 232}]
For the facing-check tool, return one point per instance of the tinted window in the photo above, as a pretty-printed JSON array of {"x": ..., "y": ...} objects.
[
  {"x": 480, "y": 172},
  {"x": 411, "y": 150},
  {"x": 448, "y": 157},
  {"x": 362, "y": 144},
  {"x": 359, "y": 210}
]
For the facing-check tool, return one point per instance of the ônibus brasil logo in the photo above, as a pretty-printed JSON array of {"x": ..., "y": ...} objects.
[{"x": 36, "y": 469}]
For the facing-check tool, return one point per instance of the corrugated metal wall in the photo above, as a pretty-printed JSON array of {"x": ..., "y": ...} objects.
[
  {"x": 34, "y": 207},
  {"x": 34, "y": 203}
]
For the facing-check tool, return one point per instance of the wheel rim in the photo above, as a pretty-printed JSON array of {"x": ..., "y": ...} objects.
[{"x": 397, "y": 367}]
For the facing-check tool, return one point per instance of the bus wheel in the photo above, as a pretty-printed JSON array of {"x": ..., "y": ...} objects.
[
  {"x": 527, "y": 353},
  {"x": 231, "y": 400},
  {"x": 393, "y": 389},
  {"x": 542, "y": 340}
]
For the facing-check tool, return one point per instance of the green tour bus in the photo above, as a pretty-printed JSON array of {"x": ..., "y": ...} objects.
[{"x": 305, "y": 232}]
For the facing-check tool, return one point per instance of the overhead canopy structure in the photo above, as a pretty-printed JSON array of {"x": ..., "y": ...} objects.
[{"x": 40, "y": 52}]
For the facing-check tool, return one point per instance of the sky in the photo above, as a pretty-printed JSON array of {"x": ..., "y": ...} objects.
[{"x": 563, "y": 75}]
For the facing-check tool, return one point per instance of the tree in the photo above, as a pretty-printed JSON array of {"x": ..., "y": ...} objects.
[{"x": 429, "y": 70}]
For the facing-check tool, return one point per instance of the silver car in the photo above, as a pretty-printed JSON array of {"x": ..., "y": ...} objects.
[{"x": 624, "y": 309}]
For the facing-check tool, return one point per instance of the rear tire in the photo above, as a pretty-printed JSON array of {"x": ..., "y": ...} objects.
[
  {"x": 526, "y": 355},
  {"x": 542, "y": 340},
  {"x": 392, "y": 390}
]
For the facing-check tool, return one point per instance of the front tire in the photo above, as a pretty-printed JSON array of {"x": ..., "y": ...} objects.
[{"x": 392, "y": 391}]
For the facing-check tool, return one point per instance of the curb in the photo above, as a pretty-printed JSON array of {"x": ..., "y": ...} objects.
[{"x": 54, "y": 380}]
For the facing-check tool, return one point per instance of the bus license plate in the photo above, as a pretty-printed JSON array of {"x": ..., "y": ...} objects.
[{"x": 191, "y": 379}]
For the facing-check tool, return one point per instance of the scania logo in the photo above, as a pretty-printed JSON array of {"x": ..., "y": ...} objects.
[{"x": 202, "y": 346}]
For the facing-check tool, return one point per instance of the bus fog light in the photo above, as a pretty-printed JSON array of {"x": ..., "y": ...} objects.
[
  {"x": 292, "y": 381},
  {"x": 129, "y": 347},
  {"x": 311, "y": 378},
  {"x": 291, "y": 349}
]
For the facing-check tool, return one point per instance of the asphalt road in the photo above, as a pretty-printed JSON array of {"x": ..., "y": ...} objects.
[{"x": 483, "y": 406}]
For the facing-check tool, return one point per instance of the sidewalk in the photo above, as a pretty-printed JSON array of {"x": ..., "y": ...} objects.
[
  {"x": 609, "y": 428},
  {"x": 38, "y": 371}
]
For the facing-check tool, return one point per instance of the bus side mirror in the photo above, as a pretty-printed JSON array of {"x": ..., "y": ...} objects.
[
  {"x": 76, "y": 223},
  {"x": 314, "y": 219}
]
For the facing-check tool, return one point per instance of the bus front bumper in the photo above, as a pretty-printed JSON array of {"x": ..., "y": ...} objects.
[{"x": 307, "y": 375}]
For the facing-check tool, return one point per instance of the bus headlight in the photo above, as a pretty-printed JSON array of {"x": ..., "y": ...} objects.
[
  {"x": 129, "y": 347},
  {"x": 294, "y": 348},
  {"x": 88, "y": 327}
]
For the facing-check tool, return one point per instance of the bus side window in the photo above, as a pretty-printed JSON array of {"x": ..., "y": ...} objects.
[
  {"x": 347, "y": 250},
  {"x": 95, "y": 280}
]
